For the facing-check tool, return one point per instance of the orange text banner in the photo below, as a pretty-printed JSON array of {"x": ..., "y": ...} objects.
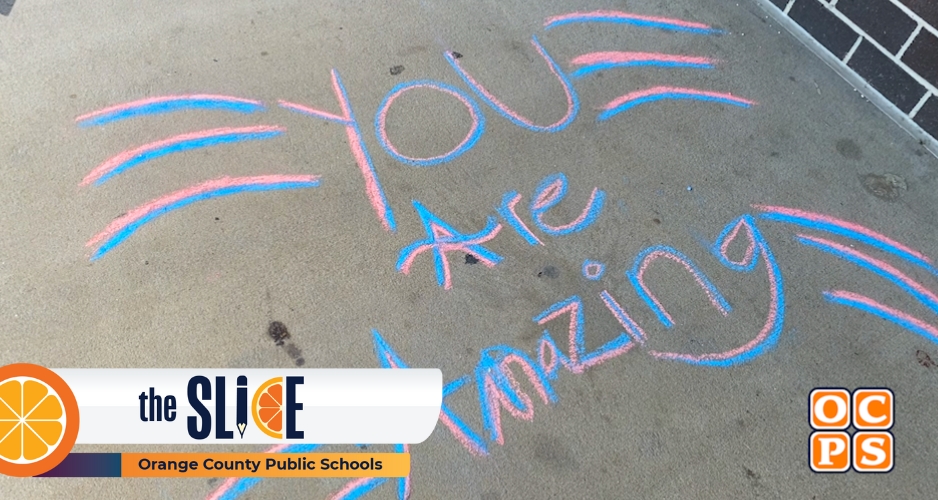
[{"x": 265, "y": 464}]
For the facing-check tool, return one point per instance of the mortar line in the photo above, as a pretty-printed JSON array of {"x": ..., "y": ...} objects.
[
  {"x": 851, "y": 77},
  {"x": 915, "y": 17},
  {"x": 853, "y": 49},
  {"x": 921, "y": 81},
  {"x": 921, "y": 103},
  {"x": 908, "y": 43}
]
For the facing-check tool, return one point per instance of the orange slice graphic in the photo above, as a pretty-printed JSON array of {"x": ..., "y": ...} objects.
[
  {"x": 38, "y": 420},
  {"x": 267, "y": 407}
]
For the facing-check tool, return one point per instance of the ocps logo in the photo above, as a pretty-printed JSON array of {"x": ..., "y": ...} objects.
[{"x": 871, "y": 448}]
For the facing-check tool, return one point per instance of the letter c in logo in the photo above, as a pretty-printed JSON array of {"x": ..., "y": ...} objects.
[{"x": 865, "y": 409}]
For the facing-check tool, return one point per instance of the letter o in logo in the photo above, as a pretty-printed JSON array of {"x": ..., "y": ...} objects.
[
  {"x": 829, "y": 409},
  {"x": 821, "y": 404}
]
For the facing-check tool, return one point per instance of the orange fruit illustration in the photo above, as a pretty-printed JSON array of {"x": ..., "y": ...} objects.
[
  {"x": 267, "y": 407},
  {"x": 38, "y": 420}
]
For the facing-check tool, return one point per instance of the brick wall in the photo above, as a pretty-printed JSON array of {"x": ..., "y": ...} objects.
[{"x": 891, "y": 44}]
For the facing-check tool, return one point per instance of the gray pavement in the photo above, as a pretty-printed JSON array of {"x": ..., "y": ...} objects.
[{"x": 200, "y": 285}]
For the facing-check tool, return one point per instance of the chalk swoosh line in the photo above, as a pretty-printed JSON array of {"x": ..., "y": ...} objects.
[
  {"x": 168, "y": 104},
  {"x": 184, "y": 142},
  {"x": 849, "y": 229},
  {"x": 875, "y": 308},
  {"x": 653, "y": 94},
  {"x": 618, "y": 17},
  {"x": 306, "y": 110},
  {"x": 881, "y": 268},
  {"x": 598, "y": 61},
  {"x": 122, "y": 227}
]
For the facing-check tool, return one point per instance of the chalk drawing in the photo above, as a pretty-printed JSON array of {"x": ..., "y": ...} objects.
[
  {"x": 840, "y": 227},
  {"x": 768, "y": 337},
  {"x": 593, "y": 270},
  {"x": 637, "y": 276},
  {"x": 234, "y": 487},
  {"x": 468, "y": 438},
  {"x": 875, "y": 308},
  {"x": 442, "y": 239},
  {"x": 599, "y": 61},
  {"x": 632, "y": 99},
  {"x": 503, "y": 372},
  {"x": 508, "y": 212},
  {"x": 498, "y": 388},
  {"x": 168, "y": 104},
  {"x": 475, "y": 131},
  {"x": 124, "y": 226},
  {"x": 204, "y": 138},
  {"x": 631, "y": 327},
  {"x": 547, "y": 195},
  {"x": 576, "y": 360},
  {"x": 358, "y": 488},
  {"x": 618, "y": 17},
  {"x": 881, "y": 268},
  {"x": 550, "y": 192},
  {"x": 357, "y": 144},
  {"x": 573, "y": 101}
]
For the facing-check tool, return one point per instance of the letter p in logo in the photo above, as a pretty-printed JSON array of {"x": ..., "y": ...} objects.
[{"x": 830, "y": 451}]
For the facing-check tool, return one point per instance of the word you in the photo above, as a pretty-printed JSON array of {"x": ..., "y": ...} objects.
[
  {"x": 441, "y": 238},
  {"x": 872, "y": 413}
]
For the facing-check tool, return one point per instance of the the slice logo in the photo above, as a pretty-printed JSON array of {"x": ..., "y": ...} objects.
[
  {"x": 38, "y": 420},
  {"x": 871, "y": 448}
]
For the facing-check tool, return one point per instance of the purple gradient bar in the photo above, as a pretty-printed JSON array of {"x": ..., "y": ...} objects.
[{"x": 87, "y": 465}]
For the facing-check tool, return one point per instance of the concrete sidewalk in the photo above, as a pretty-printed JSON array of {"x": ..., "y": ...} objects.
[{"x": 686, "y": 120}]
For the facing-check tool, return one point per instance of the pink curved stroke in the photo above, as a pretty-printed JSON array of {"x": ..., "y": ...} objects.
[
  {"x": 752, "y": 344},
  {"x": 724, "y": 248},
  {"x": 597, "y": 15},
  {"x": 383, "y": 117},
  {"x": 117, "y": 160},
  {"x": 817, "y": 217},
  {"x": 653, "y": 256},
  {"x": 620, "y": 57},
  {"x": 166, "y": 98},
  {"x": 879, "y": 264},
  {"x": 499, "y": 105},
  {"x": 663, "y": 90},
  {"x": 889, "y": 311},
  {"x": 224, "y": 182}
]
